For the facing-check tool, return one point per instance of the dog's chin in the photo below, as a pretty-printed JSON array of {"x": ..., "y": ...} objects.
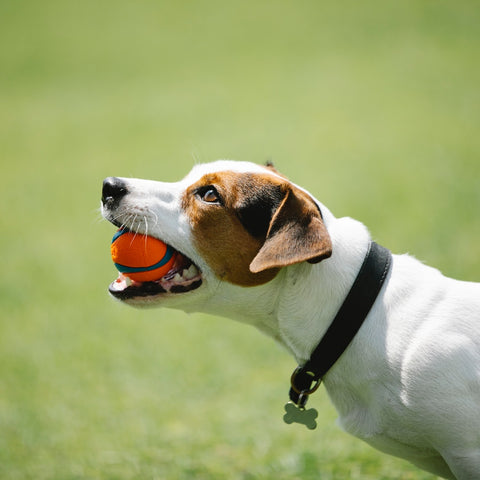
[{"x": 183, "y": 277}]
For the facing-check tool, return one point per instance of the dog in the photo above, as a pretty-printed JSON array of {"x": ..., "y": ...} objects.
[{"x": 253, "y": 246}]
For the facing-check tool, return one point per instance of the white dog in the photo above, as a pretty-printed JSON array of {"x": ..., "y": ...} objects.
[{"x": 257, "y": 248}]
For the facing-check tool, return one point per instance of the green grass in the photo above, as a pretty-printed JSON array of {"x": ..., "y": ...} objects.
[{"x": 373, "y": 106}]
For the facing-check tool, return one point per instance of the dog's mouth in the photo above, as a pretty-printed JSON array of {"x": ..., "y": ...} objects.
[{"x": 183, "y": 277}]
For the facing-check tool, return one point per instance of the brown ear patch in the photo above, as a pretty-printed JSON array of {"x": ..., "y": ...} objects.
[
  {"x": 296, "y": 234},
  {"x": 262, "y": 223}
]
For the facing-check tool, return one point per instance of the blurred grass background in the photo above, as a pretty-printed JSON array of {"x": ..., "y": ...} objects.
[{"x": 373, "y": 106}]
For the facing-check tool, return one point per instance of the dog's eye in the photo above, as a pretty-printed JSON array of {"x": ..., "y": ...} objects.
[{"x": 209, "y": 195}]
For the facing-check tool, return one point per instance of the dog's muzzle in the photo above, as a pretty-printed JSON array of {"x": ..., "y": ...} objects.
[{"x": 183, "y": 277}]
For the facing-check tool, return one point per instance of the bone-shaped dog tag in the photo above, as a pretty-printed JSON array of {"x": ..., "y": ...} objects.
[{"x": 302, "y": 416}]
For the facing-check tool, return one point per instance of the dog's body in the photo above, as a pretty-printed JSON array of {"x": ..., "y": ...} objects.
[{"x": 267, "y": 253}]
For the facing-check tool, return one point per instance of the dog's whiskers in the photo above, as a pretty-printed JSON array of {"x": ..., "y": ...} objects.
[
  {"x": 145, "y": 220},
  {"x": 120, "y": 214},
  {"x": 154, "y": 215},
  {"x": 132, "y": 223}
]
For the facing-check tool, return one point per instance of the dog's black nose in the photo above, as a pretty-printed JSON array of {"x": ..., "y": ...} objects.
[{"x": 113, "y": 190}]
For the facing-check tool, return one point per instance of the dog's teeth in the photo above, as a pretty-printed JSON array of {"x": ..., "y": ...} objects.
[
  {"x": 194, "y": 270},
  {"x": 191, "y": 272},
  {"x": 177, "y": 278},
  {"x": 124, "y": 280}
]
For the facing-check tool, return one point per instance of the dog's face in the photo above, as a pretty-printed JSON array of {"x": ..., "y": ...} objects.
[{"x": 232, "y": 222}]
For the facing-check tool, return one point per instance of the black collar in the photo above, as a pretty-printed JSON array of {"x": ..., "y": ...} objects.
[{"x": 306, "y": 379}]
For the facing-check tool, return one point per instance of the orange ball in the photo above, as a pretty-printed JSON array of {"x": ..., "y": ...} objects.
[{"x": 141, "y": 257}]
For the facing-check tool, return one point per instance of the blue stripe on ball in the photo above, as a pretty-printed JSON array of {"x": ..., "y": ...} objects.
[
  {"x": 119, "y": 233},
  {"x": 166, "y": 258}
]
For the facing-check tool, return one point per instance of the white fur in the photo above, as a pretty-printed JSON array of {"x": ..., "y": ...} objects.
[{"x": 409, "y": 384}]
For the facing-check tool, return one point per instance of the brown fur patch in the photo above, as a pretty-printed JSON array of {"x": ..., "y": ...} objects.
[
  {"x": 218, "y": 233},
  {"x": 230, "y": 234}
]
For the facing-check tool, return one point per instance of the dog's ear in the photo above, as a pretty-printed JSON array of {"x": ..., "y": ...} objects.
[{"x": 296, "y": 234}]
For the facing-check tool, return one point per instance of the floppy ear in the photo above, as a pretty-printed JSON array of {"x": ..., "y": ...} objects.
[{"x": 296, "y": 234}]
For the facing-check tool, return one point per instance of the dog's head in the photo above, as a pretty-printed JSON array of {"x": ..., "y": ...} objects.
[{"x": 233, "y": 222}]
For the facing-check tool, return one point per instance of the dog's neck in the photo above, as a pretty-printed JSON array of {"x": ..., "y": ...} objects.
[{"x": 276, "y": 308}]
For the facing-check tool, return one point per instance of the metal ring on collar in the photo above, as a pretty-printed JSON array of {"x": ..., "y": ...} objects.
[{"x": 304, "y": 391}]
